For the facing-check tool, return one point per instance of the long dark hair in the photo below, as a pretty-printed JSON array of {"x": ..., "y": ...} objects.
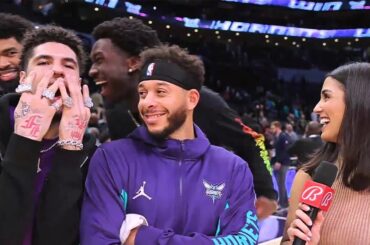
[{"x": 354, "y": 139}]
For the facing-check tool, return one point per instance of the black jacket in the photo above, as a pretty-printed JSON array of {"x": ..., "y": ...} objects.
[
  {"x": 223, "y": 127},
  {"x": 304, "y": 148},
  {"x": 281, "y": 145},
  {"x": 58, "y": 210}
]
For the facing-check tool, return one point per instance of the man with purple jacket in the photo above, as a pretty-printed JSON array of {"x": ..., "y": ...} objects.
[{"x": 165, "y": 183}]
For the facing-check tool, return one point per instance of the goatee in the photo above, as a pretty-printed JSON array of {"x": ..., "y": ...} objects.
[{"x": 175, "y": 121}]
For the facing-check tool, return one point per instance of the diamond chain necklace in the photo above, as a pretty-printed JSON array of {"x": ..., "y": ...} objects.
[
  {"x": 48, "y": 149},
  {"x": 133, "y": 118}
]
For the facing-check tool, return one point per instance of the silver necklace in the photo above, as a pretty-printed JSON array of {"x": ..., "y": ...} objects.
[
  {"x": 133, "y": 118},
  {"x": 48, "y": 149},
  {"x": 43, "y": 151}
]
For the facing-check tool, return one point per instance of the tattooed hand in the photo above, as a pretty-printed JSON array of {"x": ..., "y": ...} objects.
[
  {"x": 75, "y": 118},
  {"x": 34, "y": 113}
]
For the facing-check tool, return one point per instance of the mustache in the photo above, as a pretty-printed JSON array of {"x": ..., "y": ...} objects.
[{"x": 9, "y": 69}]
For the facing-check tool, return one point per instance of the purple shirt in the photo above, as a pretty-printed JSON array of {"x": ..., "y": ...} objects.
[
  {"x": 42, "y": 172},
  {"x": 43, "y": 168}
]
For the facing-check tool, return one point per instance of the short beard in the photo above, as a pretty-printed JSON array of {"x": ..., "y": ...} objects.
[{"x": 175, "y": 121}]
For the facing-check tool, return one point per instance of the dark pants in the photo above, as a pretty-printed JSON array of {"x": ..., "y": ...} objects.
[{"x": 280, "y": 176}]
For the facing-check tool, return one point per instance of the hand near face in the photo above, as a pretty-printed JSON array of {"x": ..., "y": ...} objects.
[
  {"x": 75, "y": 115},
  {"x": 34, "y": 112},
  {"x": 300, "y": 226}
]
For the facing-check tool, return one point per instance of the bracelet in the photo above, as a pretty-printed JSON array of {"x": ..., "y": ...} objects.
[{"x": 74, "y": 143}]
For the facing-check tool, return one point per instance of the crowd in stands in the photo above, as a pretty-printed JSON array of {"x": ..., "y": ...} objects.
[{"x": 246, "y": 77}]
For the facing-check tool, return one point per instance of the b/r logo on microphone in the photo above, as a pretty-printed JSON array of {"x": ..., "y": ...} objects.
[
  {"x": 312, "y": 192},
  {"x": 327, "y": 199},
  {"x": 317, "y": 195}
]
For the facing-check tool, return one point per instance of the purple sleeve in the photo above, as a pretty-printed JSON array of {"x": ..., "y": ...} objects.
[
  {"x": 237, "y": 224},
  {"x": 102, "y": 210}
]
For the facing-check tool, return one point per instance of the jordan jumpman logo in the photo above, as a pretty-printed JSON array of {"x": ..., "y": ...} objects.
[{"x": 141, "y": 192}]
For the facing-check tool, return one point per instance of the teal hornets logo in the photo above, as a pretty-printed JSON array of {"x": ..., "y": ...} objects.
[{"x": 214, "y": 191}]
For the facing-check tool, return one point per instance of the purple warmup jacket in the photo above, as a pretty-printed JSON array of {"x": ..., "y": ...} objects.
[{"x": 190, "y": 192}]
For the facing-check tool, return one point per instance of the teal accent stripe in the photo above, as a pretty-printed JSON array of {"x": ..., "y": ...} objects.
[
  {"x": 218, "y": 227},
  {"x": 219, "y": 220},
  {"x": 124, "y": 198},
  {"x": 246, "y": 236},
  {"x": 227, "y": 205}
]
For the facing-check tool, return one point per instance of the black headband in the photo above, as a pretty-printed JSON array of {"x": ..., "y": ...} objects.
[{"x": 168, "y": 71}]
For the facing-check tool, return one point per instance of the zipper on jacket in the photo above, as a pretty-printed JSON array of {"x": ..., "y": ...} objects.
[{"x": 180, "y": 164}]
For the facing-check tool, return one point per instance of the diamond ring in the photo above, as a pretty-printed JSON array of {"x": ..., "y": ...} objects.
[
  {"x": 47, "y": 93},
  {"x": 88, "y": 103},
  {"x": 56, "y": 106},
  {"x": 68, "y": 102},
  {"x": 24, "y": 87}
]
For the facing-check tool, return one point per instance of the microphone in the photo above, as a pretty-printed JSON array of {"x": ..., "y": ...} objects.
[{"x": 317, "y": 192}]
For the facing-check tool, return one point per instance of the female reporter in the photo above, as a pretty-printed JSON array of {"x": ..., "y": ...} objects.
[{"x": 344, "y": 110}]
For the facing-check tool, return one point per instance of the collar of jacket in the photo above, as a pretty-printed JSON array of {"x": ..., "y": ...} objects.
[{"x": 191, "y": 149}]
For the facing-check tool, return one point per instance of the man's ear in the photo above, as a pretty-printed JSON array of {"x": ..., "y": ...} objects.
[
  {"x": 22, "y": 76},
  {"x": 133, "y": 63},
  {"x": 193, "y": 98}
]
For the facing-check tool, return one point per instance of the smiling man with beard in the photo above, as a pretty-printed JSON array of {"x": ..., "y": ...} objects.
[
  {"x": 165, "y": 183},
  {"x": 115, "y": 59},
  {"x": 12, "y": 30}
]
